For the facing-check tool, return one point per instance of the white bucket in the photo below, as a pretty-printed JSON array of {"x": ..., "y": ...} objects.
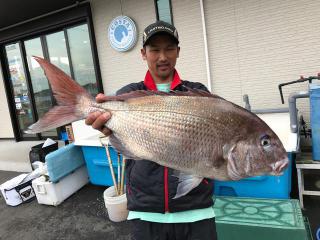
[{"x": 116, "y": 205}]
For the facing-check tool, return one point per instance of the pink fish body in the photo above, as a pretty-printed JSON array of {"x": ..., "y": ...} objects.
[{"x": 193, "y": 132}]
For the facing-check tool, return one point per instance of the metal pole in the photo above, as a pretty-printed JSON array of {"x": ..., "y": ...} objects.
[
  {"x": 293, "y": 109},
  {"x": 204, "y": 31}
]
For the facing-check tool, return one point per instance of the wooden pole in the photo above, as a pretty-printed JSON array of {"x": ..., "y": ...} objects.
[
  {"x": 119, "y": 174},
  {"x": 122, "y": 175},
  {"x": 111, "y": 169}
]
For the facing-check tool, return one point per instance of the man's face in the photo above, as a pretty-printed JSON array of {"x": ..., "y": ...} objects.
[{"x": 161, "y": 55}]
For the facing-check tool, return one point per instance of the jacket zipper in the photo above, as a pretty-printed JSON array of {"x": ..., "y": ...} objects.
[{"x": 166, "y": 190}]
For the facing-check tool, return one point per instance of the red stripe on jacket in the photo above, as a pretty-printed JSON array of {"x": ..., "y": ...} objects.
[{"x": 151, "y": 85}]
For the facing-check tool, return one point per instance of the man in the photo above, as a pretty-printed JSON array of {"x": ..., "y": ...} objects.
[{"x": 153, "y": 212}]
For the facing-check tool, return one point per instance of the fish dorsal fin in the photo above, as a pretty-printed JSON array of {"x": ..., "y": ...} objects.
[
  {"x": 144, "y": 93},
  {"x": 199, "y": 93}
]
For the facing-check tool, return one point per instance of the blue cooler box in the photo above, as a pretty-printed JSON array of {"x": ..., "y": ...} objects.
[
  {"x": 98, "y": 165},
  {"x": 315, "y": 119},
  {"x": 258, "y": 187}
]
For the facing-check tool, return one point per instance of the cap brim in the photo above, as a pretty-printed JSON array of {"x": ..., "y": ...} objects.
[{"x": 160, "y": 32}]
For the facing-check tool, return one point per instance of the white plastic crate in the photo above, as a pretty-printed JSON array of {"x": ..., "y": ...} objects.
[{"x": 50, "y": 193}]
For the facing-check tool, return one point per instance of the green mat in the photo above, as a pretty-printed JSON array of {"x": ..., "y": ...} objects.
[{"x": 259, "y": 219}]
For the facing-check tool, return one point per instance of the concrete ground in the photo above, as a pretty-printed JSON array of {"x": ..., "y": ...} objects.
[{"x": 84, "y": 216}]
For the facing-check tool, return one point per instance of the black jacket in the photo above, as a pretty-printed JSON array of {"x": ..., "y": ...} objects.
[{"x": 151, "y": 187}]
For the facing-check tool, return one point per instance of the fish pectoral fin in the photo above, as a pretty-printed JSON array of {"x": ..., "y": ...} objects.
[
  {"x": 229, "y": 155},
  {"x": 187, "y": 182},
  {"x": 227, "y": 149}
]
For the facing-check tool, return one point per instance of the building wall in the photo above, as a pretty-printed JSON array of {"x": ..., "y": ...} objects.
[
  {"x": 187, "y": 19},
  {"x": 6, "y": 130},
  {"x": 255, "y": 45},
  {"x": 120, "y": 68}
]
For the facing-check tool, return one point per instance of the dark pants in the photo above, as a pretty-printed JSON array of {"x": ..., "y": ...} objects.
[{"x": 201, "y": 230}]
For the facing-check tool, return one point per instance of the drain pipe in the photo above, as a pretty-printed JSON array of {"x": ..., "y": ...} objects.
[
  {"x": 293, "y": 108},
  {"x": 204, "y": 32}
]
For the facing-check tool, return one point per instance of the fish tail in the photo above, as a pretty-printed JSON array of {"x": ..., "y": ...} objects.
[
  {"x": 73, "y": 100},
  {"x": 56, "y": 117}
]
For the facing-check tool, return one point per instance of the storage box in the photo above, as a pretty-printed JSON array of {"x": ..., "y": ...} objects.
[
  {"x": 314, "y": 90},
  {"x": 63, "y": 161},
  {"x": 95, "y": 154},
  {"x": 50, "y": 193},
  {"x": 263, "y": 219},
  {"x": 258, "y": 187},
  {"x": 38, "y": 153},
  {"x": 17, "y": 190},
  {"x": 98, "y": 165}
]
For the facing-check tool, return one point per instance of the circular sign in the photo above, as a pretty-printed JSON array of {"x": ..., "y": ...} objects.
[{"x": 122, "y": 33}]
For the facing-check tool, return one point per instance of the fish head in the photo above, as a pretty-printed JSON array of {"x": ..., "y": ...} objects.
[{"x": 258, "y": 152}]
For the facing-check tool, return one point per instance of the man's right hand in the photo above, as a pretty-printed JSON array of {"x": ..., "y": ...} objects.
[{"x": 98, "y": 119}]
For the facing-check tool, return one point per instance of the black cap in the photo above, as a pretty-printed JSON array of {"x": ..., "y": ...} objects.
[{"x": 159, "y": 27}]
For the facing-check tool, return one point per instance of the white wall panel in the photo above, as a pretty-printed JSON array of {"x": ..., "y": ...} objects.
[
  {"x": 255, "y": 45},
  {"x": 187, "y": 20},
  {"x": 120, "y": 68}
]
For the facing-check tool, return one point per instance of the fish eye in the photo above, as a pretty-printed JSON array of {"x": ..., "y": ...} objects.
[{"x": 265, "y": 141}]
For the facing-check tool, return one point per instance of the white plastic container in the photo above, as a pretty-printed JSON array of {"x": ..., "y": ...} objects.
[
  {"x": 116, "y": 205},
  {"x": 50, "y": 193}
]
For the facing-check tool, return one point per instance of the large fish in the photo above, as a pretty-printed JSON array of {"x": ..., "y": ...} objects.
[{"x": 196, "y": 133}]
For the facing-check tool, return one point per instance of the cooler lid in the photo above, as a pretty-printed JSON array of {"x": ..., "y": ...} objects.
[
  {"x": 85, "y": 135},
  {"x": 280, "y": 124},
  {"x": 313, "y": 86}
]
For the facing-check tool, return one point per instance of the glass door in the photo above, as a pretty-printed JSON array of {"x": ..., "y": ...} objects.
[
  {"x": 70, "y": 49},
  {"x": 82, "y": 59},
  {"x": 21, "y": 93},
  {"x": 57, "y": 50},
  {"x": 41, "y": 91}
]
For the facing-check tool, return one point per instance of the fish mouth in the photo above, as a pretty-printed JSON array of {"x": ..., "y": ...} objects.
[{"x": 279, "y": 166}]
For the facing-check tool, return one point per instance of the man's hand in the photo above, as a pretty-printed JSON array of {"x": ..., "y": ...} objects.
[{"x": 98, "y": 119}]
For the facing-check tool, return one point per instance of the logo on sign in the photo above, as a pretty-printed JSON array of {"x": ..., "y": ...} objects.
[{"x": 122, "y": 33}]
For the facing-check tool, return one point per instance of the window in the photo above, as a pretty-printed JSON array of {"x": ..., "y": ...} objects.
[
  {"x": 42, "y": 95},
  {"x": 21, "y": 93},
  {"x": 163, "y": 10},
  {"x": 80, "y": 49},
  {"x": 70, "y": 49}
]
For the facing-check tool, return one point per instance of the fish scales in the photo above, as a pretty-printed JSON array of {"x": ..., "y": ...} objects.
[{"x": 174, "y": 132}]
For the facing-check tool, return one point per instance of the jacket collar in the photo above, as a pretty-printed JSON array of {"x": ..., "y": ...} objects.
[{"x": 150, "y": 84}]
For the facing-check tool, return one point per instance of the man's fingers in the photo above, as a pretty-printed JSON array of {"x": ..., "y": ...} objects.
[
  {"x": 100, "y": 98},
  {"x": 106, "y": 131},
  {"x": 98, "y": 120},
  {"x": 92, "y": 117},
  {"x": 101, "y": 120}
]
